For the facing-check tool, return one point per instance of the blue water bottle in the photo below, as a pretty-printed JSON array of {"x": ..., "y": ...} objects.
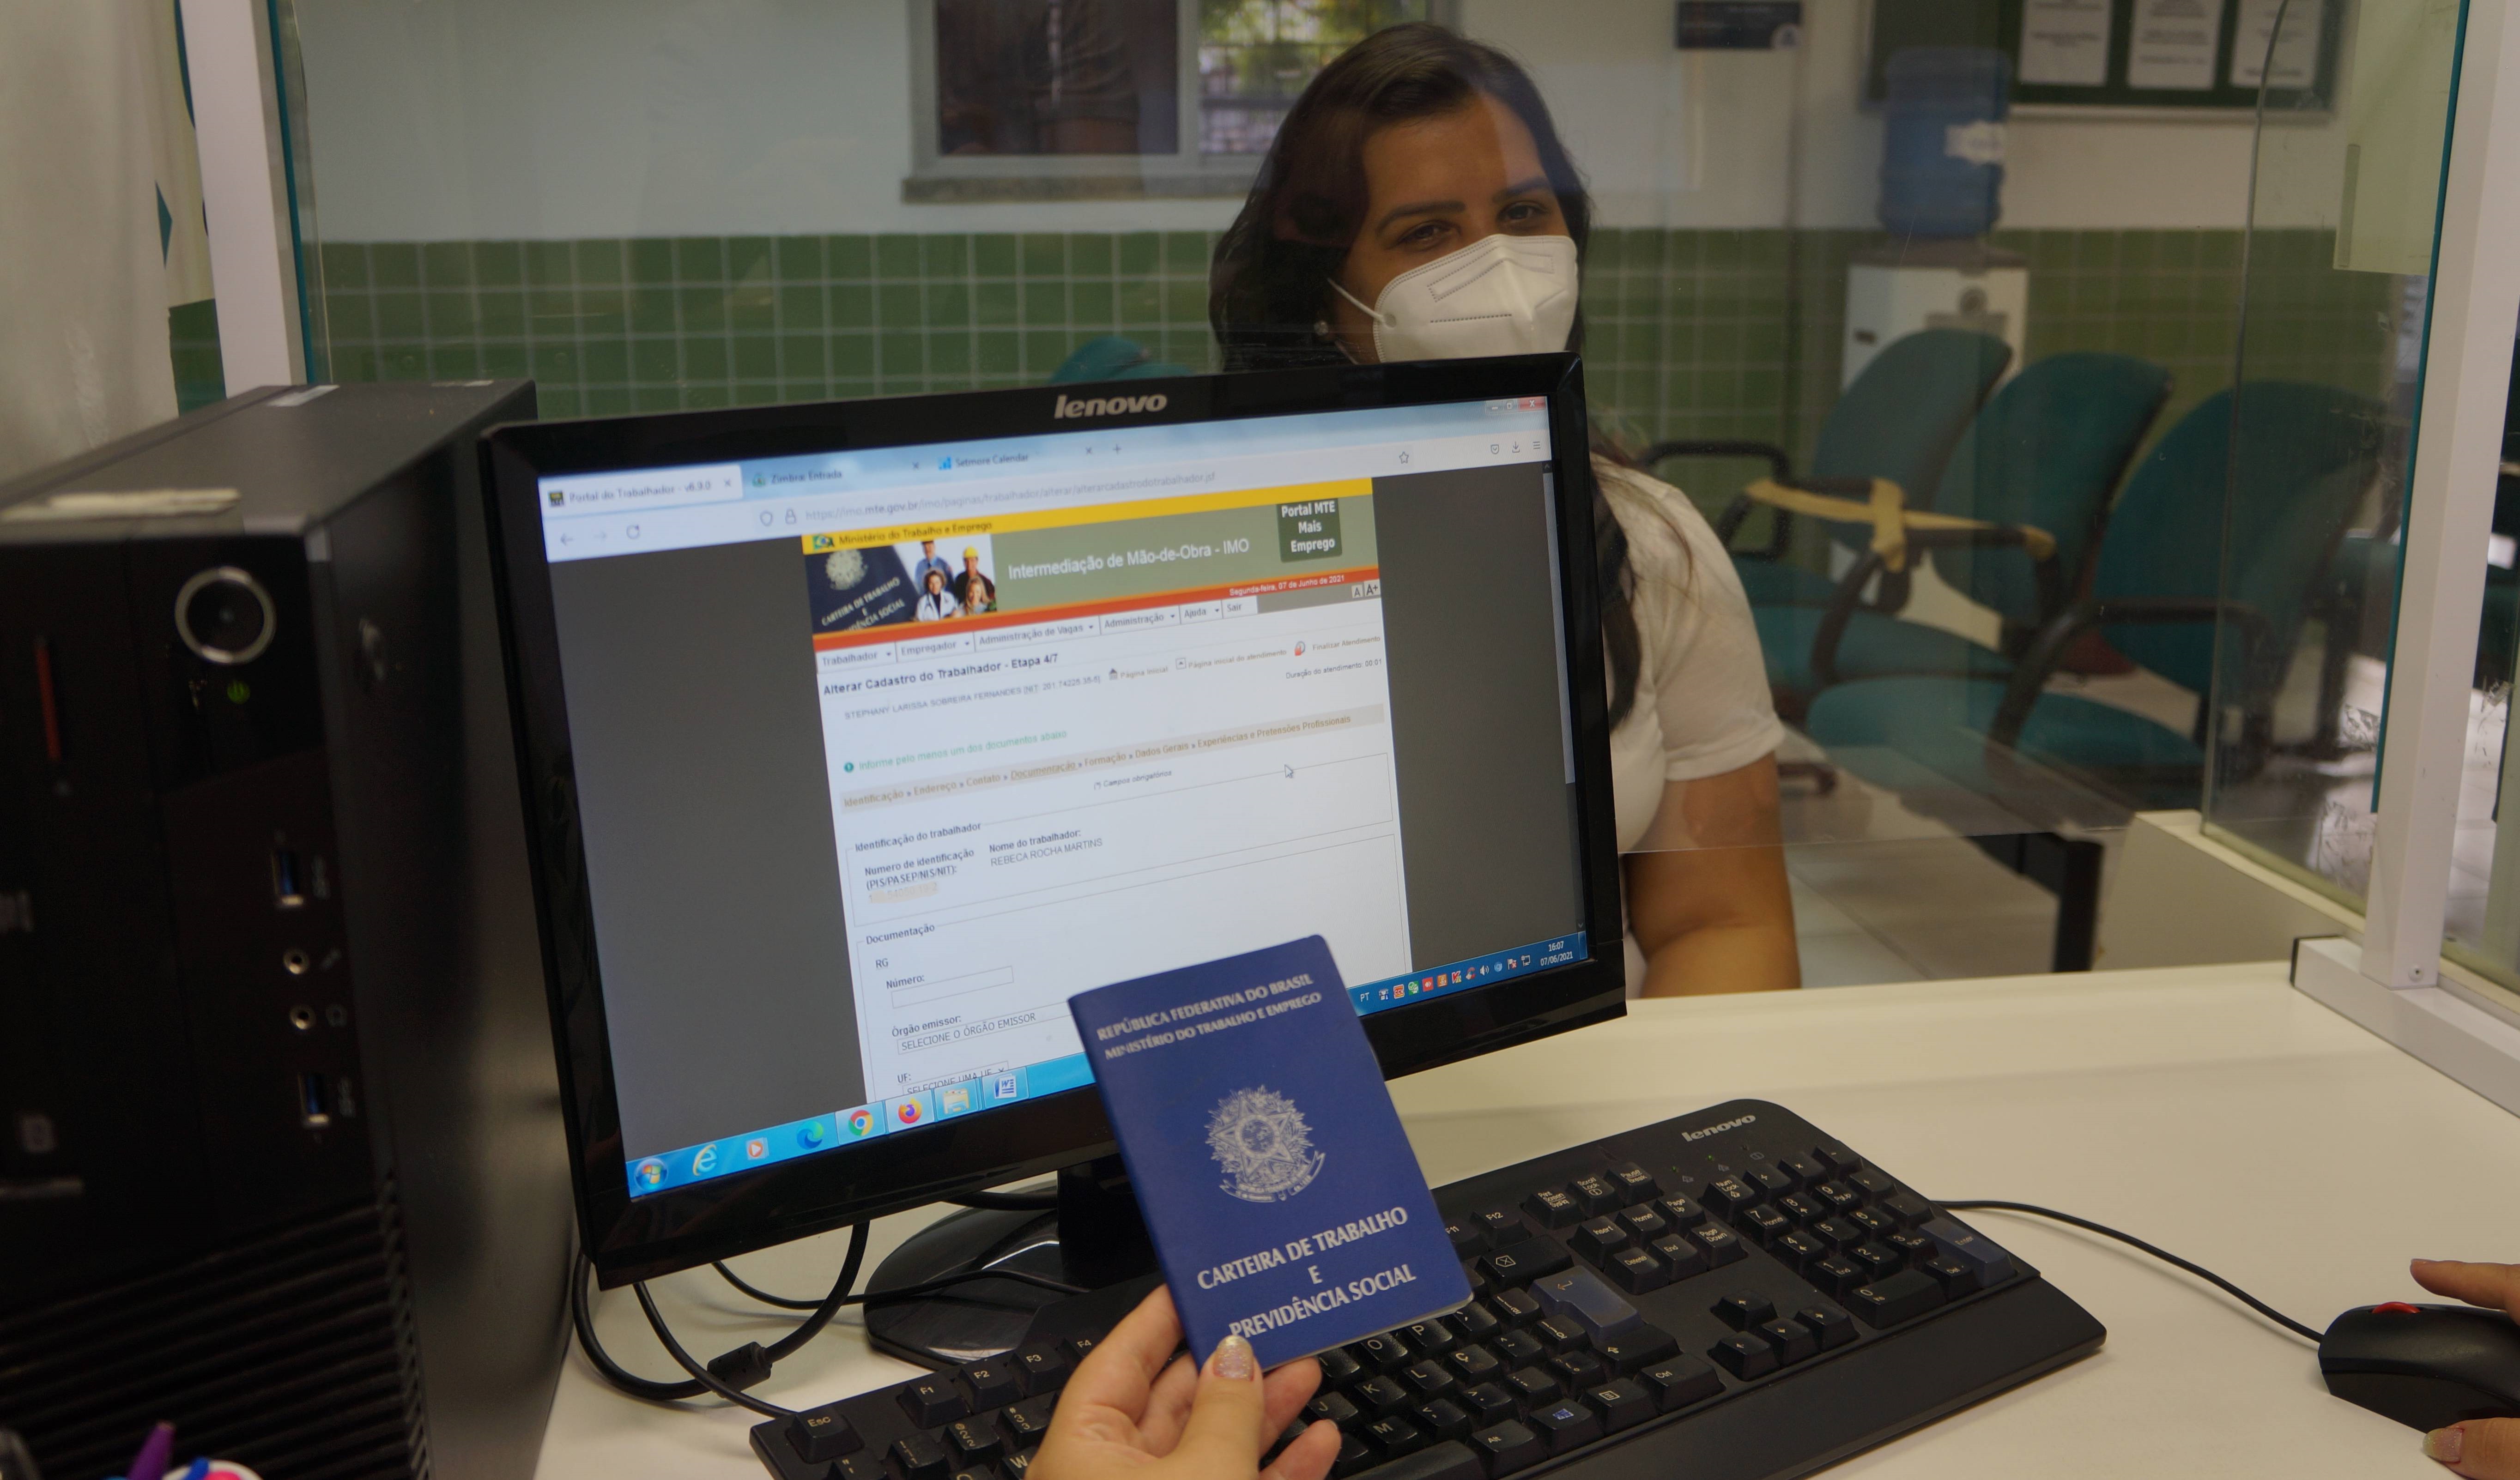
[{"x": 1942, "y": 156}]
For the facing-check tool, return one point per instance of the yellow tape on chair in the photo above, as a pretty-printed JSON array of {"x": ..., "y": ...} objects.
[{"x": 1885, "y": 510}]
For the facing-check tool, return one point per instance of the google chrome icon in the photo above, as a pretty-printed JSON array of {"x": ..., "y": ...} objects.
[{"x": 860, "y": 1122}]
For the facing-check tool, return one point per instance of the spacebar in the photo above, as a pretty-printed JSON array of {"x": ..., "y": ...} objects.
[{"x": 1450, "y": 1459}]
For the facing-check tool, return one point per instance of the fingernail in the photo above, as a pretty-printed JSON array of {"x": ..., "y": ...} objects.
[
  {"x": 2444, "y": 1443},
  {"x": 1232, "y": 1358}
]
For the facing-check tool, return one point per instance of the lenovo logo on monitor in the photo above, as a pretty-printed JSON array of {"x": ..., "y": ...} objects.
[{"x": 1106, "y": 406}]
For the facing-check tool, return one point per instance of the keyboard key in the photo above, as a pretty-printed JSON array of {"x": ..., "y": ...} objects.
[
  {"x": 1339, "y": 1367},
  {"x": 1431, "y": 1338},
  {"x": 1027, "y": 1423},
  {"x": 1679, "y": 1211},
  {"x": 1833, "y": 1327},
  {"x": 1729, "y": 1195},
  {"x": 1836, "y": 1274},
  {"x": 1763, "y": 1225},
  {"x": 1385, "y": 1353},
  {"x": 1955, "y": 1278},
  {"x": 1792, "y": 1340},
  {"x": 1594, "y": 1195},
  {"x": 1768, "y": 1180},
  {"x": 1444, "y": 1419},
  {"x": 1837, "y": 1197},
  {"x": 1799, "y": 1248},
  {"x": 1722, "y": 1244},
  {"x": 972, "y": 1442},
  {"x": 1641, "y": 1348},
  {"x": 1510, "y": 1446},
  {"x": 1874, "y": 1223},
  {"x": 920, "y": 1458},
  {"x": 1527, "y": 1261},
  {"x": 1380, "y": 1394},
  {"x": 868, "y": 1467},
  {"x": 1044, "y": 1370},
  {"x": 1488, "y": 1403},
  {"x": 1837, "y": 1232},
  {"x": 1600, "y": 1239},
  {"x": 1680, "y": 1381},
  {"x": 1560, "y": 1333},
  {"x": 1876, "y": 1260},
  {"x": 1873, "y": 1182},
  {"x": 1747, "y": 1355},
  {"x": 1078, "y": 1348},
  {"x": 1903, "y": 1296},
  {"x": 1354, "y": 1457},
  {"x": 1017, "y": 1468},
  {"x": 1643, "y": 1224},
  {"x": 1394, "y": 1436},
  {"x": 974, "y": 1472},
  {"x": 993, "y": 1385},
  {"x": 1474, "y": 1365},
  {"x": 1514, "y": 1307},
  {"x": 1504, "y": 1226},
  {"x": 821, "y": 1435},
  {"x": 1533, "y": 1386},
  {"x": 1578, "y": 1370},
  {"x": 1621, "y": 1403},
  {"x": 1680, "y": 1256},
  {"x": 1587, "y": 1299},
  {"x": 931, "y": 1401},
  {"x": 1567, "y": 1425},
  {"x": 1474, "y": 1322},
  {"x": 1908, "y": 1208},
  {"x": 1337, "y": 1408},
  {"x": 1477, "y": 1277},
  {"x": 1426, "y": 1380},
  {"x": 1553, "y": 1209},
  {"x": 1802, "y": 1169},
  {"x": 1800, "y": 1208},
  {"x": 1636, "y": 1272},
  {"x": 1635, "y": 1184},
  {"x": 1745, "y": 1308},
  {"x": 1985, "y": 1261},
  {"x": 1518, "y": 1348},
  {"x": 1450, "y": 1459},
  {"x": 1836, "y": 1157}
]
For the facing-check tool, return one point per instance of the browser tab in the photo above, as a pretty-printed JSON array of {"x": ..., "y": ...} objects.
[{"x": 611, "y": 492}]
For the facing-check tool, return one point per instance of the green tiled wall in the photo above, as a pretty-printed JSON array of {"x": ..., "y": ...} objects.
[{"x": 1715, "y": 333}]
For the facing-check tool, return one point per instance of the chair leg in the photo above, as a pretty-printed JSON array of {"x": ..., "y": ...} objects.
[{"x": 2068, "y": 868}]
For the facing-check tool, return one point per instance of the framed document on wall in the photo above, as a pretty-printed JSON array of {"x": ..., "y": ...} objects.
[{"x": 2151, "y": 54}]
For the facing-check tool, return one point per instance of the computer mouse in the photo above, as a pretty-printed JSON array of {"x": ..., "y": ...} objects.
[{"x": 2426, "y": 1366}]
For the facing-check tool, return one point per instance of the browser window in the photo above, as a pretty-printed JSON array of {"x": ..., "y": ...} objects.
[{"x": 939, "y": 737}]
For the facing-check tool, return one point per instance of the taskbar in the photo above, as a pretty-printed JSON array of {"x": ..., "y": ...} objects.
[
  {"x": 730, "y": 1154},
  {"x": 1462, "y": 975}
]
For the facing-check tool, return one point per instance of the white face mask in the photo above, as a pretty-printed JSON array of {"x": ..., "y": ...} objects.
[{"x": 1498, "y": 296}]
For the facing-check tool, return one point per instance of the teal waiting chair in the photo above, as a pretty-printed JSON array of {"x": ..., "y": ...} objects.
[
  {"x": 2036, "y": 470},
  {"x": 2208, "y": 566},
  {"x": 1898, "y": 421}
]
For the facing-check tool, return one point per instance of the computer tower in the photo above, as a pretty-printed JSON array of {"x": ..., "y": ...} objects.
[{"x": 280, "y": 1158}]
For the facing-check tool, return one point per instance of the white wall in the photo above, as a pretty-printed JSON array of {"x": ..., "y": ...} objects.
[{"x": 438, "y": 120}]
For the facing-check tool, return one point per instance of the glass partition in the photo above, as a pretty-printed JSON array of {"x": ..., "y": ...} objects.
[
  {"x": 1943, "y": 368},
  {"x": 2343, "y": 218}
]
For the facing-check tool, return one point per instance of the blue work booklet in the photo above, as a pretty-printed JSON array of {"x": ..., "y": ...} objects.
[{"x": 1285, "y": 1204}]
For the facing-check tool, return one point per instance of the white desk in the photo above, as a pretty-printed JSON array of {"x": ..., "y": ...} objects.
[{"x": 2214, "y": 1109}]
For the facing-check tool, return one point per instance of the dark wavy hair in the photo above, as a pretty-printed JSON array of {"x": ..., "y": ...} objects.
[{"x": 1269, "y": 286}]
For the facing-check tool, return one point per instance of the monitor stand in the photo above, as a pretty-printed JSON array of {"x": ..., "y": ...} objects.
[{"x": 1094, "y": 1238}]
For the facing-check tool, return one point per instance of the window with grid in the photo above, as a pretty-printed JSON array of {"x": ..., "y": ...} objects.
[{"x": 1050, "y": 99}]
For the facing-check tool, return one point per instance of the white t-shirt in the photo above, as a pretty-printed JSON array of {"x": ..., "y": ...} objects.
[{"x": 1702, "y": 706}]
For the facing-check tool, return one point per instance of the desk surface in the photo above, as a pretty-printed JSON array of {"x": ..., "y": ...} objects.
[{"x": 2211, "y": 1109}]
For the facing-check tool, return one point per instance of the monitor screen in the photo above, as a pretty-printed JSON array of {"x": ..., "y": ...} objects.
[{"x": 880, "y": 753}]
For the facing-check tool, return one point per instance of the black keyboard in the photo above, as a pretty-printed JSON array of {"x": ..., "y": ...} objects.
[{"x": 1723, "y": 1295}]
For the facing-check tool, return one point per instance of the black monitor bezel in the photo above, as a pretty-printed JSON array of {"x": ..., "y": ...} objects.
[{"x": 629, "y": 1239}]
